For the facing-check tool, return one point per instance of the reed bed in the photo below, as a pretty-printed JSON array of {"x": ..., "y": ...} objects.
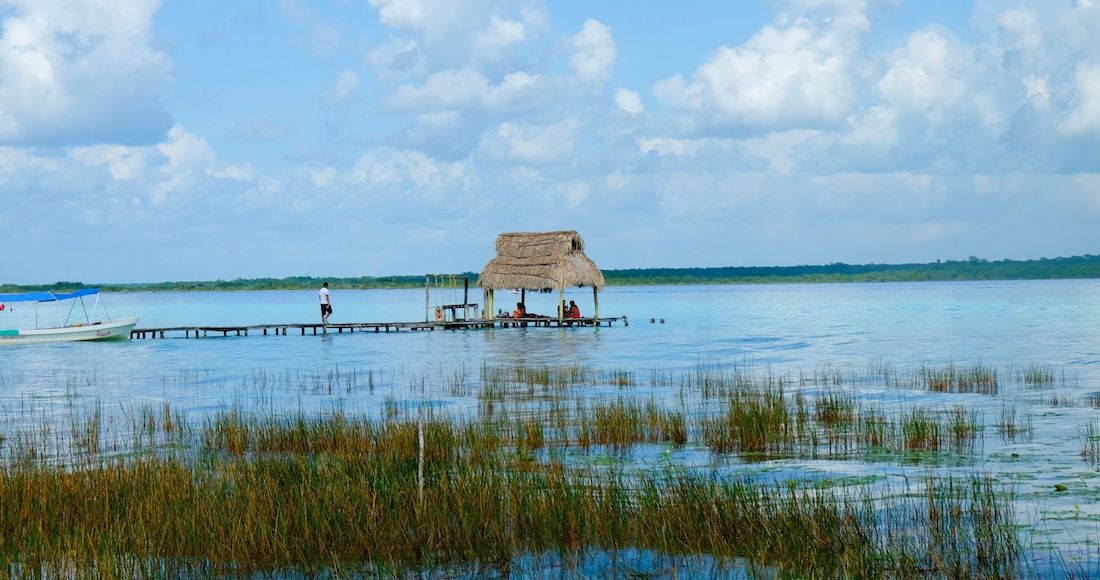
[
  {"x": 1011, "y": 426},
  {"x": 1090, "y": 441},
  {"x": 767, "y": 424},
  {"x": 1037, "y": 376},
  {"x": 494, "y": 487},
  {"x": 334, "y": 494},
  {"x": 952, "y": 378}
]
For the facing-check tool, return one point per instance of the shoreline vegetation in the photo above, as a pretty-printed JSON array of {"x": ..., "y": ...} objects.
[
  {"x": 538, "y": 475},
  {"x": 1075, "y": 267}
]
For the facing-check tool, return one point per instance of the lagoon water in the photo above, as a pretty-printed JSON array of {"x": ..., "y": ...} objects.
[
  {"x": 782, "y": 328},
  {"x": 799, "y": 325}
]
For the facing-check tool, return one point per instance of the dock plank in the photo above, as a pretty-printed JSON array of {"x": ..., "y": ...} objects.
[{"x": 281, "y": 329}]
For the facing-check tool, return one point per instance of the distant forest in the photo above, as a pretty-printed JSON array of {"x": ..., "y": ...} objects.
[{"x": 1087, "y": 266}]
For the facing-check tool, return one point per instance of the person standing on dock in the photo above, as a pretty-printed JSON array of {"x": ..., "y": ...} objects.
[{"x": 326, "y": 303}]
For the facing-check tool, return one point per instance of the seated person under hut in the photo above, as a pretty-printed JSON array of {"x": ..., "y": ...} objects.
[{"x": 521, "y": 312}]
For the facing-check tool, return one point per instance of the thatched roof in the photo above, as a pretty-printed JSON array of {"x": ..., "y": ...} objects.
[{"x": 540, "y": 261}]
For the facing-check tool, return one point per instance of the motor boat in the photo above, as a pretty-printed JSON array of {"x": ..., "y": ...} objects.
[{"x": 89, "y": 329}]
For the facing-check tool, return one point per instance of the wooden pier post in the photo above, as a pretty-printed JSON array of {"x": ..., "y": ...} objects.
[
  {"x": 561, "y": 303},
  {"x": 465, "y": 298}
]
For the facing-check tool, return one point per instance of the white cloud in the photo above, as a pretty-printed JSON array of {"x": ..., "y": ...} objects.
[
  {"x": 345, "y": 89},
  {"x": 1038, "y": 91},
  {"x": 186, "y": 151},
  {"x": 629, "y": 101},
  {"x": 926, "y": 74},
  {"x": 574, "y": 194},
  {"x": 466, "y": 89},
  {"x": 593, "y": 52},
  {"x": 876, "y": 127},
  {"x": 1084, "y": 116},
  {"x": 499, "y": 35},
  {"x": 663, "y": 146},
  {"x": 1020, "y": 28},
  {"x": 949, "y": 84},
  {"x": 398, "y": 56},
  {"x": 465, "y": 33},
  {"x": 796, "y": 72},
  {"x": 189, "y": 159},
  {"x": 78, "y": 72},
  {"x": 676, "y": 93},
  {"x": 779, "y": 148},
  {"x": 421, "y": 14},
  {"x": 532, "y": 144},
  {"x": 322, "y": 177},
  {"x": 125, "y": 163},
  {"x": 389, "y": 167}
]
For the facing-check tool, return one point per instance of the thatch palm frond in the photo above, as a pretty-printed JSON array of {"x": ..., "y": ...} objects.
[{"x": 540, "y": 261}]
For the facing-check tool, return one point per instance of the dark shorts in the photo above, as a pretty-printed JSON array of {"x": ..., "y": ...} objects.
[{"x": 326, "y": 309}]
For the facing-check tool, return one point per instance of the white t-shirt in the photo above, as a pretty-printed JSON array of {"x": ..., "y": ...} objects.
[{"x": 323, "y": 295}]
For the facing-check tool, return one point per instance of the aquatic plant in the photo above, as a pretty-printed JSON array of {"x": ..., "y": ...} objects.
[
  {"x": 1035, "y": 375},
  {"x": 343, "y": 495},
  {"x": 1010, "y": 425},
  {"x": 975, "y": 378}
]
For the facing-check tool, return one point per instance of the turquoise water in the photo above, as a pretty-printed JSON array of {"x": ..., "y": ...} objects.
[
  {"x": 802, "y": 325},
  {"x": 789, "y": 328}
]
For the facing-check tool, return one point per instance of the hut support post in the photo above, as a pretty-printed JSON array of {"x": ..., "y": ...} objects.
[
  {"x": 596, "y": 304},
  {"x": 427, "y": 288},
  {"x": 466, "y": 298},
  {"x": 561, "y": 303}
]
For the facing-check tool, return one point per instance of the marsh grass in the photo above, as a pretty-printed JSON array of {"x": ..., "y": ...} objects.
[
  {"x": 246, "y": 493},
  {"x": 1059, "y": 399},
  {"x": 622, "y": 422},
  {"x": 756, "y": 423},
  {"x": 330, "y": 493},
  {"x": 1090, "y": 442},
  {"x": 1011, "y": 426},
  {"x": 1037, "y": 376},
  {"x": 768, "y": 423},
  {"x": 952, "y": 378}
]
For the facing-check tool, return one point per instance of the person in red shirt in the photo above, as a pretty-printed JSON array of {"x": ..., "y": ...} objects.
[{"x": 574, "y": 311}]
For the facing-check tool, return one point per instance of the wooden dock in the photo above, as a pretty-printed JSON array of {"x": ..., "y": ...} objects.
[{"x": 309, "y": 328}]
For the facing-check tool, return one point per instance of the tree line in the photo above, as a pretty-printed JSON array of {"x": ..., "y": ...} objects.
[{"x": 1087, "y": 266}]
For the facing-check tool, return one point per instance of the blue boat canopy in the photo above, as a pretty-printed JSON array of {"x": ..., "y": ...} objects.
[{"x": 47, "y": 296}]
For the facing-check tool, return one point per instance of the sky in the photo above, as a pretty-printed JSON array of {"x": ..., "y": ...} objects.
[{"x": 145, "y": 141}]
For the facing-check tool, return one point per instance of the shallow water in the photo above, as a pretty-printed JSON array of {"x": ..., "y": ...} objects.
[{"x": 853, "y": 329}]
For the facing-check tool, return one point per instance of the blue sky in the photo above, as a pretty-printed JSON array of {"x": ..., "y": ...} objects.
[{"x": 149, "y": 141}]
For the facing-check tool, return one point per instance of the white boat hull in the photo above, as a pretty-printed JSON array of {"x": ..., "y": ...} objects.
[{"x": 113, "y": 330}]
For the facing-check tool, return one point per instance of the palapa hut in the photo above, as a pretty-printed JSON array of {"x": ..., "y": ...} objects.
[{"x": 543, "y": 262}]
